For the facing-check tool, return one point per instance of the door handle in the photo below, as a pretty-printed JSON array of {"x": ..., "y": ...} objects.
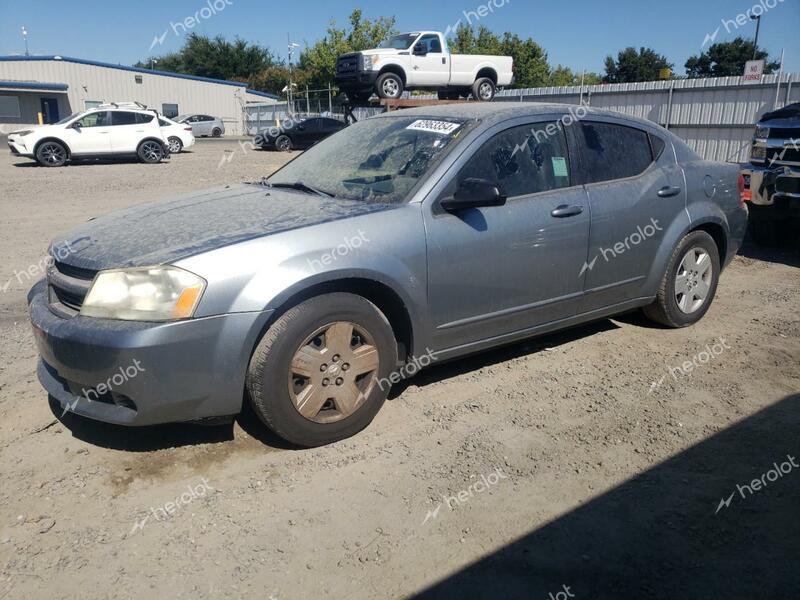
[
  {"x": 668, "y": 191},
  {"x": 444, "y": 60},
  {"x": 566, "y": 211}
]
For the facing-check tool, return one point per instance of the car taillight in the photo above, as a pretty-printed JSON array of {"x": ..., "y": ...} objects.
[
  {"x": 187, "y": 128},
  {"x": 744, "y": 194}
]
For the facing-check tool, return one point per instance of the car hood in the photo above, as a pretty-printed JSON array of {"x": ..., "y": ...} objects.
[{"x": 165, "y": 232}]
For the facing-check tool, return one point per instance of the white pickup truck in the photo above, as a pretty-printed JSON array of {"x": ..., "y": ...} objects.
[{"x": 421, "y": 60}]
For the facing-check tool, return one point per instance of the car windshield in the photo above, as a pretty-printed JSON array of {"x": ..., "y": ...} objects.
[
  {"x": 67, "y": 119},
  {"x": 376, "y": 160},
  {"x": 399, "y": 42}
]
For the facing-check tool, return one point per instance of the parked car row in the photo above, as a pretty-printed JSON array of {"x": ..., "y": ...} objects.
[{"x": 114, "y": 129}]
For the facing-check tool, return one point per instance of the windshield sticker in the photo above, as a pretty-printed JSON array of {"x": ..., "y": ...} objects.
[
  {"x": 559, "y": 166},
  {"x": 440, "y": 127}
]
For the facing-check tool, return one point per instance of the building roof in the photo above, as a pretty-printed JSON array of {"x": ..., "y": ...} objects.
[
  {"x": 32, "y": 86},
  {"x": 95, "y": 63}
]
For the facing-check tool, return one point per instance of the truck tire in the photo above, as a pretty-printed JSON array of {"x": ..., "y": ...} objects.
[
  {"x": 483, "y": 89},
  {"x": 317, "y": 374},
  {"x": 389, "y": 86}
]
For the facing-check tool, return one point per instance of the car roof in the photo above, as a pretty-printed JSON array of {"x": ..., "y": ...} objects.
[{"x": 495, "y": 112}]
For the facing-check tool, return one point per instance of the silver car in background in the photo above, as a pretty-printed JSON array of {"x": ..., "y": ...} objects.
[
  {"x": 203, "y": 125},
  {"x": 413, "y": 237}
]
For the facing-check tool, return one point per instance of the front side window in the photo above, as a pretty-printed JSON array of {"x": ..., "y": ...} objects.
[
  {"x": 169, "y": 110},
  {"x": 523, "y": 160},
  {"x": 613, "y": 151},
  {"x": 95, "y": 119},
  {"x": 376, "y": 160},
  {"x": 431, "y": 44}
]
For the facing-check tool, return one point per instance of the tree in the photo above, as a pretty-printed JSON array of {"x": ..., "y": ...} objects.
[
  {"x": 725, "y": 59},
  {"x": 216, "y": 58},
  {"x": 632, "y": 65},
  {"x": 530, "y": 60},
  {"x": 564, "y": 76},
  {"x": 319, "y": 60}
]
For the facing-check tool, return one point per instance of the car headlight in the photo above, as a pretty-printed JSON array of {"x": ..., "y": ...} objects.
[
  {"x": 144, "y": 294},
  {"x": 758, "y": 152},
  {"x": 23, "y": 132},
  {"x": 370, "y": 61},
  {"x": 762, "y": 133}
]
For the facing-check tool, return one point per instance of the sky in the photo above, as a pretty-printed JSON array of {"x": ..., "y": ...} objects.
[{"x": 578, "y": 34}]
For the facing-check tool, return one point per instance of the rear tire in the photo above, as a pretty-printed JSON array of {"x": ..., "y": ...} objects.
[
  {"x": 483, "y": 90},
  {"x": 216, "y": 132},
  {"x": 151, "y": 152},
  {"x": 303, "y": 363},
  {"x": 51, "y": 154},
  {"x": 679, "y": 302},
  {"x": 175, "y": 145}
]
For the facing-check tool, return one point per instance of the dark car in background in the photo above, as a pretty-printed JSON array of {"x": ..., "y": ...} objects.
[
  {"x": 772, "y": 179},
  {"x": 296, "y": 134}
]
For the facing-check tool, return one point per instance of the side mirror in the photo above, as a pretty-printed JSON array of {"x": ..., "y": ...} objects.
[
  {"x": 473, "y": 193},
  {"x": 76, "y": 125},
  {"x": 419, "y": 50}
]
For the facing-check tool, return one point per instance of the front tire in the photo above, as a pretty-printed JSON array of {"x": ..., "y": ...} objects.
[
  {"x": 51, "y": 154},
  {"x": 689, "y": 284},
  {"x": 175, "y": 145},
  {"x": 151, "y": 152},
  {"x": 317, "y": 376},
  {"x": 483, "y": 90},
  {"x": 283, "y": 143},
  {"x": 389, "y": 86}
]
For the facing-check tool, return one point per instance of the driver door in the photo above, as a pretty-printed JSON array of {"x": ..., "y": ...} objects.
[
  {"x": 429, "y": 68},
  {"x": 494, "y": 271},
  {"x": 91, "y": 134}
]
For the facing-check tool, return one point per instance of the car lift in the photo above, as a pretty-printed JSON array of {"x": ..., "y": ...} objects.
[{"x": 392, "y": 105}]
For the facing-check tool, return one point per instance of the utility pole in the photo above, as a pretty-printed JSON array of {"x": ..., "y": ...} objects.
[
  {"x": 757, "y": 19},
  {"x": 25, "y": 37},
  {"x": 291, "y": 46}
]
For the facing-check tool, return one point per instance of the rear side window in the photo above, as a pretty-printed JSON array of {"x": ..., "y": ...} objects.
[
  {"x": 523, "y": 160},
  {"x": 144, "y": 118},
  {"x": 658, "y": 145},
  {"x": 123, "y": 118},
  {"x": 613, "y": 151}
]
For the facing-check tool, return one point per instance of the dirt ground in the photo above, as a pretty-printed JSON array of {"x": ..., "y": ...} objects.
[{"x": 588, "y": 464}]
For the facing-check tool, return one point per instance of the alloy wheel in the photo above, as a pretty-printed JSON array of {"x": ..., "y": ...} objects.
[
  {"x": 485, "y": 91},
  {"x": 152, "y": 151},
  {"x": 390, "y": 88},
  {"x": 693, "y": 280},
  {"x": 175, "y": 145},
  {"x": 333, "y": 372},
  {"x": 53, "y": 154}
]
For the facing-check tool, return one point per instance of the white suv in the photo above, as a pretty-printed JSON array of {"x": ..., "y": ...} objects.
[{"x": 108, "y": 130}]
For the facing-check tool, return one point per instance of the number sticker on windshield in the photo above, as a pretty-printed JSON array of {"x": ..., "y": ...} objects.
[{"x": 441, "y": 127}]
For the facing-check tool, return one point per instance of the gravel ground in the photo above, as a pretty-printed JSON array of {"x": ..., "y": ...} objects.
[{"x": 578, "y": 465}]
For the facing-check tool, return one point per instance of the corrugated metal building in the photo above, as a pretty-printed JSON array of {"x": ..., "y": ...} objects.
[{"x": 53, "y": 87}]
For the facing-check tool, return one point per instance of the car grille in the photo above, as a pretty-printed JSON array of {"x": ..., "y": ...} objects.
[
  {"x": 68, "y": 286},
  {"x": 788, "y": 185},
  {"x": 785, "y": 155},
  {"x": 347, "y": 65},
  {"x": 784, "y": 133}
]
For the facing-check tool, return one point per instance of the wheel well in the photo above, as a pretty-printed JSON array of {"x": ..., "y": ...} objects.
[
  {"x": 150, "y": 139},
  {"x": 396, "y": 70},
  {"x": 718, "y": 234},
  {"x": 382, "y": 296},
  {"x": 487, "y": 72},
  {"x": 52, "y": 139}
]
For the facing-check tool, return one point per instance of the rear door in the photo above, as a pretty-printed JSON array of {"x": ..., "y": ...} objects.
[
  {"x": 635, "y": 191},
  {"x": 91, "y": 134},
  {"x": 128, "y": 129},
  {"x": 498, "y": 270}
]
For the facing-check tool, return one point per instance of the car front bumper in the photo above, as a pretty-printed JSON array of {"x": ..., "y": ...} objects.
[
  {"x": 18, "y": 147},
  {"x": 142, "y": 373},
  {"x": 357, "y": 81},
  {"x": 766, "y": 185}
]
